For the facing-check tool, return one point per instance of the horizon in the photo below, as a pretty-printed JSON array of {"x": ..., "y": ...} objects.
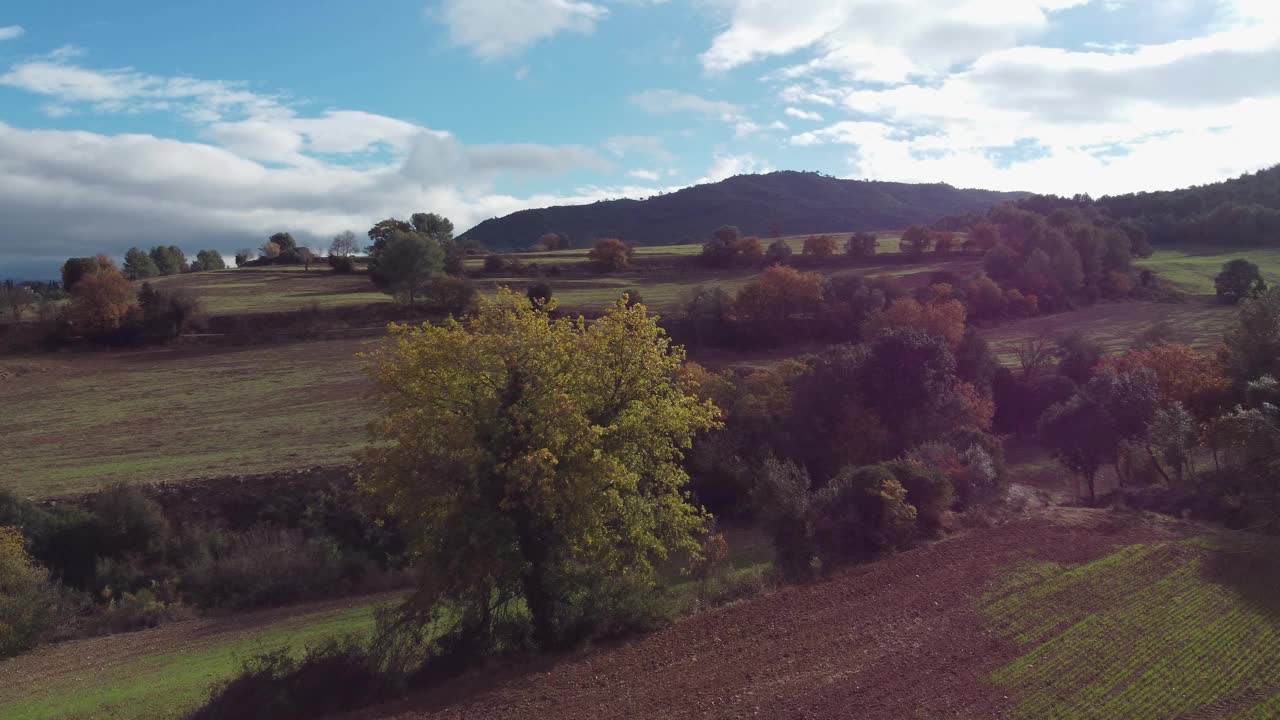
[{"x": 123, "y": 127}]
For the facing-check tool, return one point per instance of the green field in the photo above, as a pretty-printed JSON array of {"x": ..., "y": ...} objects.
[
  {"x": 1175, "y": 629},
  {"x": 162, "y": 673},
  {"x": 1192, "y": 270},
  {"x": 73, "y": 423}
]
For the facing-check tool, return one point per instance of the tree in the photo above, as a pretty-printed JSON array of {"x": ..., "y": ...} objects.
[
  {"x": 769, "y": 305},
  {"x": 102, "y": 300},
  {"x": 407, "y": 263},
  {"x": 283, "y": 240},
  {"x": 550, "y": 241},
  {"x": 915, "y": 242},
  {"x": 270, "y": 250},
  {"x": 1033, "y": 354},
  {"x": 943, "y": 243},
  {"x": 861, "y": 245},
  {"x": 906, "y": 378},
  {"x": 1239, "y": 279},
  {"x": 779, "y": 252},
  {"x": 944, "y": 319},
  {"x": 724, "y": 246},
  {"x": 30, "y": 606},
  {"x": 1079, "y": 435},
  {"x": 169, "y": 260},
  {"x": 750, "y": 250},
  {"x": 1251, "y": 348},
  {"x": 380, "y": 233},
  {"x": 344, "y": 244},
  {"x": 208, "y": 260},
  {"x": 76, "y": 268},
  {"x": 18, "y": 298},
  {"x": 985, "y": 235},
  {"x": 611, "y": 255},
  {"x": 533, "y": 459},
  {"x": 1001, "y": 262},
  {"x": 436, "y": 227},
  {"x": 138, "y": 265},
  {"x": 539, "y": 294},
  {"x": 1077, "y": 356},
  {"x": 306, "y": 256},
  {"x": 244, "y": 256},
  {"x": 1194, "y": 379},
  {"x": 819, "y": 246}
]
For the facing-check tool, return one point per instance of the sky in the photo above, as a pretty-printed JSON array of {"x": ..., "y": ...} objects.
[{"x": 213, "y": 125}]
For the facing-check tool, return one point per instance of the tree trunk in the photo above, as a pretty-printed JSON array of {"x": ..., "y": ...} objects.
[
  {"x": 538, "y": 596},
  {"x": 1093, "y": 494}
]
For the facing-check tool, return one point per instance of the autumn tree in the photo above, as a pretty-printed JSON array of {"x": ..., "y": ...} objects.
[
  {"x": 407, "y": 263},
  {"x": 270, "y": 250},
  {"x": 101, "y": 301},
  {"x": 943, "y": 243},
  {"x": 550, "y": 241},
  {"x": 306, "y": 256},
  {"x": 138, "y": 265},
  {"x": 769, "y": 305},
  {"x": 1238, "y": 280},
  {"x": 533, "y": 461},
  {"x": 819, "y": 246},
  {"x": 943, "y": 319},
  {"x": 861, "y": 245},
  {"x": 31, "y": 608},
  {"x": 1187, "y": 376},
  {"x": 344, "y": 244},
  {"x": 611, "y": 255},
  {"x": 750, "y": 250},
  {"x": 985, "y": 236},
  {"x": 915, "y": 241},
  {"x": 779, "y": 252}
]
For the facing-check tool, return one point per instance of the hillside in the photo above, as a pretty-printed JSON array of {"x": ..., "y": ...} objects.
[
  {"x": 1071, "y": 614},
  {"x": 792, "y": 202}
]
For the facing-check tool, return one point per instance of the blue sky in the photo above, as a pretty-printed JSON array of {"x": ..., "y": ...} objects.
[{"x": 215, "y": 124}]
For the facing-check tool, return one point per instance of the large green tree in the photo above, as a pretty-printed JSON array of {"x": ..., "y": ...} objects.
[
  {"x": 407, "y": 264},
  {"x": 138, "y": 265},
  {"x": 533, "y": 458},
  {"x": 1239, "y": 279}
]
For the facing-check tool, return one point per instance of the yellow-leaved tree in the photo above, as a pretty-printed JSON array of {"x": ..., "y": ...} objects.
[{"x": 535, "y": 462}]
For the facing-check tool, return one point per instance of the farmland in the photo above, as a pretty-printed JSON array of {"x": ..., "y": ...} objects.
[
  {"x": 1191, "y": 270},
  {"x": 1017, "y": 621},
  {"x": 74, "y": 423},
  {"x": 163, "y": 673},
  {"x": 272, "y": 289}
]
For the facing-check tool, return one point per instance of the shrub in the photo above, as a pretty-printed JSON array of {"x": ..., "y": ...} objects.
[
  {"x": 861, "y": 512},
  {"x": 115, "y": 522},
  {"x": 342, "y": 264},
  {"x": 928, "y": 489},
  {"x": 494, "y": 263},
  {"x": 783, "y": 499},
  {"x": 333, "y": 676},
  {"x": 264, "y": 566},
  {"x": 31, "y": 608},
  {"x": 450, "y": 294},
  {"x": 540, "y": 293}
]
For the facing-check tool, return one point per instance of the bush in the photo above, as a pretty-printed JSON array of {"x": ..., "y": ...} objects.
[
  {"x": 264, "y": 566},
  {"x": 928, "y": 489},
  {"x": 783, "y": 499},
  {"x": 342, "y": 264},
  {"x": 494, "y": 263},
  {"x": 862, "y": 511},
  {"x": 116, "y": 522},
  {"x": 333, "y": 676},
  {"x": 539, "y": 293},
  {"x": 31, "y": 608},
  {"x": 450, "y": 294}
]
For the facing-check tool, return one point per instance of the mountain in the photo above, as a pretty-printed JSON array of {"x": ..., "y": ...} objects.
[{"x": 794, "y": 203}]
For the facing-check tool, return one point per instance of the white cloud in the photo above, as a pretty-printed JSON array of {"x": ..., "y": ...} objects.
[
  {"x": 803, "y": 114},
  {"x": 497, "y": 28},
  {"x": 9, "y": 32},
  {"x": 726, "y": 166},
  {"x": 650, "y": 146},
  {"x": 875, "y": 40},
  {"x": 662, "y": 102},
  {"x": 649, "y": 175}
]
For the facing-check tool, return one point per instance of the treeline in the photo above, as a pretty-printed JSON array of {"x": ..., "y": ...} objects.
[
  {"x": 140, "y": 265},
  {"x": 1244, "y": 211}
]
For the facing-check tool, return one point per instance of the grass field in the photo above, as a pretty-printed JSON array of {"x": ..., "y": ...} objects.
[
  {"x": 273, "y": 289},
  {"x": 1192, "y": 270},
  {"x": 1115, "y": 325},
  {"x": 75, "y": 422},
  {"x": 1175, "y": 629},
  {"x": 163, "y": 673}
]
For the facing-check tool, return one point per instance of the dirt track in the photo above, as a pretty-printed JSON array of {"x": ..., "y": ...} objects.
[{"x": 896, "y": 639}]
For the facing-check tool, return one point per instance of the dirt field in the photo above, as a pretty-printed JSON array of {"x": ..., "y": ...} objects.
[{"x": 903, "y": 638}]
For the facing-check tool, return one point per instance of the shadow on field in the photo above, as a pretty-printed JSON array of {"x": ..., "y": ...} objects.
[{"x": 1250, "y": 568}]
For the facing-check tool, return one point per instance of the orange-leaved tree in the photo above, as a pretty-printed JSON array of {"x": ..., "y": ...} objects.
[
  {"x": 779, "y": 297},
  {"x": 100, "y": 301},
  {"x": 819, "y": 246},
  {"x": 1193, "y": 378},
  {"x": 611, "y": 254},
  {"x": 943, "y": 319}
]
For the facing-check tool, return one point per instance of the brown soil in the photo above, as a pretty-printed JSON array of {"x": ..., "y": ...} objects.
[{"x": 900, "y": 638}]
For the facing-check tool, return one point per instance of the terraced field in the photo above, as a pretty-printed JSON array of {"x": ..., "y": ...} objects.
[{"x": 1192, "y": 270}]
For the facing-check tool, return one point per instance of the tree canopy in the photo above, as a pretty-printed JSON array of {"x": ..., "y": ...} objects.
[{"x": 534, "y": 458}]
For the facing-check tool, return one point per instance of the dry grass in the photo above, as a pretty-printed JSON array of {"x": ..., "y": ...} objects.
[{"x": 73, "y": 423}]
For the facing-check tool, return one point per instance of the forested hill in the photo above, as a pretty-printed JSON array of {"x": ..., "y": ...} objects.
[
  {"x": 789, "y": 202},
  {"x": 1241, "y": 211}
]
